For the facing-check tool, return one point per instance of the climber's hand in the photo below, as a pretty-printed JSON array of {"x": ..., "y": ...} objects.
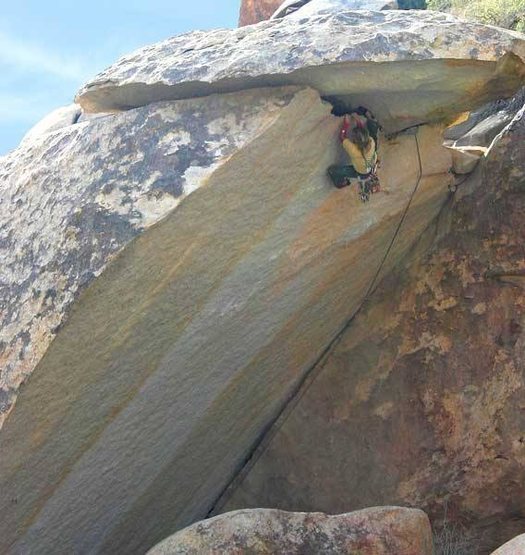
[{"x": 344, "y": 128}]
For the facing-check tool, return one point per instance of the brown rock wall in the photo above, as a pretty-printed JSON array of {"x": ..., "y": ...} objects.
[
  {"x": 422, "y": 402},
  {"x": 253, "y": 11}
]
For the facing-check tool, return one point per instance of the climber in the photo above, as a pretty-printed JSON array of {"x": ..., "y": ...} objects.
[{"x": 358, "y": 136}]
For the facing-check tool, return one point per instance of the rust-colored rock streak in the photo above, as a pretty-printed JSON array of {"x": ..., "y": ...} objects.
[
  {"x": 422, "y": 402},
  {"x": 254, "y": 11}
]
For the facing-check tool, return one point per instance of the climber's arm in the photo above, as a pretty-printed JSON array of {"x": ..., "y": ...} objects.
[{"x": 343, "y": 133}]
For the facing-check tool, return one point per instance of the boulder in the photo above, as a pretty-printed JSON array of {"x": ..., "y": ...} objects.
[
  {"x": 376, "y": 531},
  {"x": 513, "y": 547},
  {"x": 408, "y": 67},
  {"x": 170, "y": 275},
  {"x": 308, "y": 8},
  {"x": 421, "y": 400},
  {"x": 57, "y": 119}
]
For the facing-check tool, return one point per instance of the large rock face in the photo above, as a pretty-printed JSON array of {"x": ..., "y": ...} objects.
[
  {"x": 407, "y": 67},
  {"x": 421, "y": 402},
  {"x": 377, "y": 531},
  {"x": 171, "y": 273},
  {"x": 175, "y": 344}
]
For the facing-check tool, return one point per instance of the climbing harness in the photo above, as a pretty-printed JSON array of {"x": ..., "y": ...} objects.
[
  {"x": 316, "y": 368},
  {"x": 368, "y": 184}
]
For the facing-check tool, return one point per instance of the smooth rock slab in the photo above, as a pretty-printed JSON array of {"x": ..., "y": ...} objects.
[
  {"x": 407, "y": 66},
  {"x": 187, "y": 320},
  {"x": 376, "y": 531},
  {"x": 72, "y": 199}
]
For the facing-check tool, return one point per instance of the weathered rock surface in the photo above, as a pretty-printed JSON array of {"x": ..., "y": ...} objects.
[
  {"x": 421, "y": 402},
  {"x": 377, "y": 531},
  {"x": 407, "y": 67},
  {"x": 321, "y": 7},
  {"x": 514, "y": 547},
  {"x": 170, "y": 274},
  {"x": 254, "y": 11},
  {"x": 162, "y": 351},
  {"x": 72, "y": 200},
  {"x": 57, "y": 119},
  {"x": 486, "y": 130},
  {"x": 465, "y": 160},
  {"x": 482, "y": 126}
]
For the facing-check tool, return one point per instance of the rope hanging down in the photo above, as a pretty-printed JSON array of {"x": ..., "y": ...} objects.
[{"x": 311, "y": 374}]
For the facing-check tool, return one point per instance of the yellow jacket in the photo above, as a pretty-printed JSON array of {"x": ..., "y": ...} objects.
[{"x": 362, "y": 163}]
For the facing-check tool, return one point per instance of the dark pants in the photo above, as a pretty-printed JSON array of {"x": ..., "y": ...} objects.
[{"x": 341, "y": 175}]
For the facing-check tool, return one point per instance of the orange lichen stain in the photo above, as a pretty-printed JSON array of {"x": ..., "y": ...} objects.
[
  {"x": 466, "y": 274},
  {"x": 439, "y": 344},
  {"x": 451, "y": 422},
  {"x": 480, "y": 308},
  {"x": 431, "y": 281},
  {"x": 460, "y": 118},
  {"x": 378, "y": 374},
  {"x": 385, "y": 410},
  {"x": 443, "y": 304}
]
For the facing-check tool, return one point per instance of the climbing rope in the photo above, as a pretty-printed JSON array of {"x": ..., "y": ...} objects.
[
  {"x": 396, "y": 233},
  {"x": 316, "y": 368}
]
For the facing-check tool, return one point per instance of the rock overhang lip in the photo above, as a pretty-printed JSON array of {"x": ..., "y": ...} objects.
[{"x": 268, "y": 50}]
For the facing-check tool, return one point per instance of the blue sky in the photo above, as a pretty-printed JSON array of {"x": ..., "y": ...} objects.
[{"x": 48, "y": 48}]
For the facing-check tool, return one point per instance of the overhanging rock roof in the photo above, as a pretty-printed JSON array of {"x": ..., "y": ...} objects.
[{"x": 407, "y": 66}]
